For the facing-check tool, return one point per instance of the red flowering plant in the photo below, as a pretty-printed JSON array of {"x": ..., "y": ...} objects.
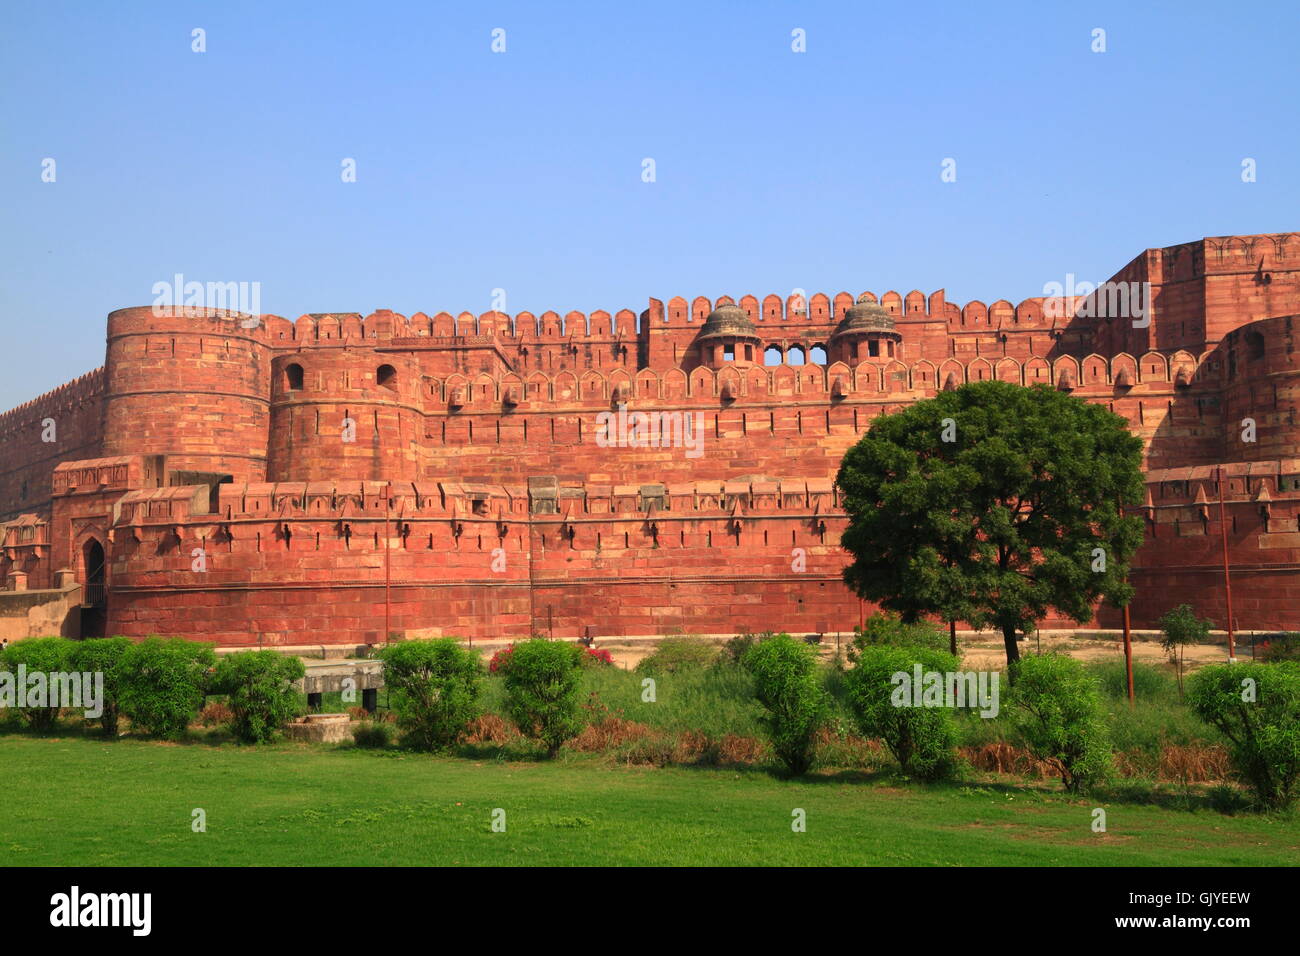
[
  {"x": 597, "y": 655},
  {"x": 500, "y": 660},
  {"x": 594, "y": 657}
]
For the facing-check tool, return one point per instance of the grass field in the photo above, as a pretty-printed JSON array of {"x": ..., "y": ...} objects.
[{"x": 76, "y": 800}]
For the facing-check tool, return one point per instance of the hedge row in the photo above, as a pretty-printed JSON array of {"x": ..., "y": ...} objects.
[{"x": 160, "y": 684}]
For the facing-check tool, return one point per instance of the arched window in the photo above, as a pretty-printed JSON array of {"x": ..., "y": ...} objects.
[
  {"x": 772, "y": 355},
  {"x": 293, "y": 377},
  {"x": 817, "y": 355},
  {"x": 386, "y": 377},
  {"x": 795, "y": 356}
]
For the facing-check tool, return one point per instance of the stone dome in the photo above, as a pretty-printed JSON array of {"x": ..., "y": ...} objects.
[
  {"x": 865, "y": 316},
  {"x": 728, "y": 320}
]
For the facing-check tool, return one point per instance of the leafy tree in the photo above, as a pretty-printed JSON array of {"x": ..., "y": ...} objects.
[
  {"x": 993, "y": 504},
  {"x": 922, "y": 739},
  {"x": 542, "y": 694},
  {"x": 163, "y": 682},
  {"x": 1059, "y": 714},
  {"x": 103, "y": 655},
  {"x": 1181, "y": 627},
  {"x": 1257, "y": 707},
  {"x": 786, "y": 684},
  {"x": 260, "y": 692},
  {"x": 434, "y": 686}
]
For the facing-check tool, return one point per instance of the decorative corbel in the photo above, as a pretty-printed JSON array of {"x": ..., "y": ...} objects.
[
  {"x": 1202, "y": 502},
  {"x": 1265, "y": 502}
]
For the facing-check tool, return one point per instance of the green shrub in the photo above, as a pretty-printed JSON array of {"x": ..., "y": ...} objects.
[
  {"x": 1059, "y": 716},
  {"x": 888, "y": 630},
  {"x": 260, "y": 692},
  {"x": 922, "y": 739},
  {"x": 373, "y": 736},
  {"x": 674, "y": 654},
  {"x": 786, "y": 684},
  {"x": 434, "y": 686},
  {"x": 733, "y": 651},
  {"x": 162, "y": 684},
  {"x": 104, "y": 656},
  {"x": 1280, "y": 647},
  {"x": 41, "y": 658},
  {"x": 543, "y": 697},
  {"x": 1257, "y": 707}
]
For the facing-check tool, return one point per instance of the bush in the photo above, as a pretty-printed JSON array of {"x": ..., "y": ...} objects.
[
  {"x": 1279, "y": 647},
  {"x": 1261, "y": 721},
  {"x": 104, "y": 656},
  {"x": 675, "y": 654},
  {"x": 542, "y": 692},
  {"x": 1060, "y": 718},
  {"x": 733, "y": 651},
  {"x": 260, "y": 692},
  {"x": 162, "y": 684},
  {"x": 373, "y": 736},
  {"x": 786, "y": 684},
  {"x": 922, "y": 739},
  {"x": 434, "y": 689},
  {"x": 888, "y": 630},
  {"x": 44, "y": 656}
]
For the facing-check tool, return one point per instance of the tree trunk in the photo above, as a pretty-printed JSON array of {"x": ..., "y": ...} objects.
[{"x": 1013, "y": 647}]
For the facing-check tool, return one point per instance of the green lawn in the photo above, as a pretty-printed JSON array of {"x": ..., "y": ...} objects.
[{"x": 79, "y": 801}]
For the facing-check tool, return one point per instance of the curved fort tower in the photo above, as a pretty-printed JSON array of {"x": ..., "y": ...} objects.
[{"x": 255, "y": 480}]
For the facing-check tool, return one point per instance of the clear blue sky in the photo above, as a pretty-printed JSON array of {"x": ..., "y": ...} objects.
[{"x": 522, "y": 170}]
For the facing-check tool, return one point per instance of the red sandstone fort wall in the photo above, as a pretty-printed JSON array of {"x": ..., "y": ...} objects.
[
  {"x": 27, "y": 462},
  {"x": 628, "y": 539}
]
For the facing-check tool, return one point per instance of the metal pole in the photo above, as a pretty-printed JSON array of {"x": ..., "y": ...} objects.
[
  {"x": 388, "y": 574},
  {"x": 1128, "y": 654},
  {"x": 1227, "y": 579}
]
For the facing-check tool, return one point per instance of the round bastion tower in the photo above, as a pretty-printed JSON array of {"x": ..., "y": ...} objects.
[
  {"x": 1258, "y": 367},
  {"x": 345, "y": 412},
  {"x": 866, "y": 331},
  {"x": 191, "y": 384},
  {"x": 728, "y": 337}
]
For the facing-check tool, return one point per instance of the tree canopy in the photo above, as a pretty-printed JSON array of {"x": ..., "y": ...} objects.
[{"x": 993, "y": 504}]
